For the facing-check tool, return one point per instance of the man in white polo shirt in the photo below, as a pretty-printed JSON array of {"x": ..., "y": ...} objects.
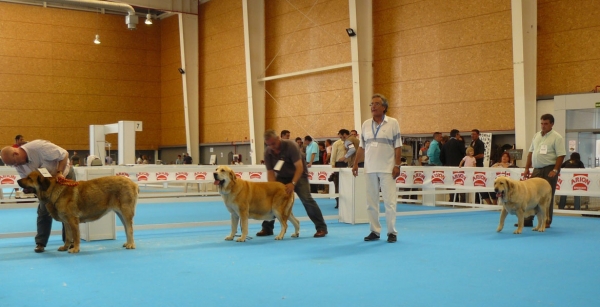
[
  {"x": 381, "y": 148},
  {"x": 546, "y": 154}
]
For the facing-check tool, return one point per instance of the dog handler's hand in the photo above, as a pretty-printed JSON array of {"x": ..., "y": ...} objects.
[
  {"x": 289, "y": 188},
  {"x": 526, "y": 173},
  {"x": 396, "y": 172},
  {"x": 355, "y": 169}
]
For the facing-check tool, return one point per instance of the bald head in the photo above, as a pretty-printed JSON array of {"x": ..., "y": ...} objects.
[{"x": 13, "y": 156}]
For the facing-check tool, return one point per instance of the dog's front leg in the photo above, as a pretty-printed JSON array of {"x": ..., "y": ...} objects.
[
  {"x": 521, "y": 220},
  {"x": 541, "y": 217},
  {"x": 68, "y": 235},
  {"x": 235, "y": 220},
  {"x": 503, "y": 215},
  {"x": 244, "y": 224}
]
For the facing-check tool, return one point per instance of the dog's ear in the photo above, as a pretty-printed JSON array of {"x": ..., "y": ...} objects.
[
  {"x": 43, "y": 183},
  {"x": 232, "y": 176}
]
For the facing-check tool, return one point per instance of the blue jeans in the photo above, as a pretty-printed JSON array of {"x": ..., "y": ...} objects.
[{"x": 576, "y": 202}]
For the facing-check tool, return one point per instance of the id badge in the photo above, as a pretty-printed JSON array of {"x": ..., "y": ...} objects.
[
  {"x": 278, "y": 165},
  {"x": 544, "y": 149},
  {"x": 373, "y": 144},
  {"x": 44, "y": 172}
]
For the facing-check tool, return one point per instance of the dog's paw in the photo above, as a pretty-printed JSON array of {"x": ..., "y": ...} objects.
[
  {"x": 129, "y": 246},
  {"x": 74, "y": 250},
  {"x": 241, "y": 239},
  {"x": 295, "y": 235},
  {"x": 229, "y": 238},
  {"x": 517, "y": 232},
  {"x": 499, "y": 229},
  {"x": 540, "y": 229},
  {"x": 279, "y": 237},
  {"x": 63, "y": 249}
]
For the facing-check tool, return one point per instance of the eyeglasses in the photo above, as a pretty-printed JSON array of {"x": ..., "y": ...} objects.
[{"x": 375, "y": 104}]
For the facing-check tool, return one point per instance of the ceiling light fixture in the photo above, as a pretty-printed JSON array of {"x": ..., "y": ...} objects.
[
  {"x": 97, "y": 40},
  {"x": 148, "y": 19}
]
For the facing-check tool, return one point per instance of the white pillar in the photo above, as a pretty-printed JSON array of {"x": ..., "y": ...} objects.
[
  {"x": 254, "y": 42},
  {"x": 188, "y": 40},
  {"x": 524, "y": 30},
  {"x": 361, "y": 47}
]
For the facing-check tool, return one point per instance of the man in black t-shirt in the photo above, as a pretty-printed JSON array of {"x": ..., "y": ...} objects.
[{"x": 285, "y": 164}]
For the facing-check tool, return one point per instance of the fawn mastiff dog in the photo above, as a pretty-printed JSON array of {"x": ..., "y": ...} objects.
[
  {"x": 523, "y": 198},
  {"x": 257, "y": 200},
  {"x": 85, "y": 202}
]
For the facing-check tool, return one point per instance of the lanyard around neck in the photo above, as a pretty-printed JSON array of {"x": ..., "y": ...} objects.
[{"x": 375, "y": 132}]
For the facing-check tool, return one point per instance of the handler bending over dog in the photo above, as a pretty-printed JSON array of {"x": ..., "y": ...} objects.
[{"x": 29, "y": 157}]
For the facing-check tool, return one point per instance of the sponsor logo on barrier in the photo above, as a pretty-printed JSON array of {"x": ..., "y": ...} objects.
[
  {"x": 522, "y": 177},
  {"x": 580, "y": 182},
  {"x": 122, "y": 174},
  {"x": 502, "y": 174},
  {"x": 558, "y": 182},
  {"x": 438, "y": 177},
  {"x": 8, "y": 179},
  {"x": 310, "y": 175},
  {"x": 238, "y": 175},
  {"x": 181, "y": 176},
  {"x": 142, "y": 176},
  {"x": 255, "y": 175},
  {"x": 199, "y": 175},
  {"x": 162, "y": 175},
  {"x": 418, "y": 177},
  {"x": 459, "y": 177},
  {"x": 402, "y": 177},
  {"x": 323, "y": 176},
  {"x": 479, "y": 179}
]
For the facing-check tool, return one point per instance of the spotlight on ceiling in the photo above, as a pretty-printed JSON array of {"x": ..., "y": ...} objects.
[
  {"x": 97, "y": 40},
  {"x": 148, "y": 19},
  {"x": 350, "y": 32}
]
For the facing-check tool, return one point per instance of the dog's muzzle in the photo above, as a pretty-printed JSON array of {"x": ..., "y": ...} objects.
[
  {"x": 218, "y": 181},
  {"x": 499, "y": 194}
]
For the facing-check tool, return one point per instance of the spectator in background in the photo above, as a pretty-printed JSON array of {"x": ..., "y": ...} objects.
[
  {"x": 285, "y": 134},
  {"x": 433, "y": 153},
  {"x": 179, "y": 160},
  {"x": 312, "y": 151},
  {"x": 19, "y": 141},
  {"x": 337, "y": 151},
  {"x": 322, "y": 153},
  {"x": 328, "y": 148},
  {"x": 75, "y": 159},
  {"x": 469, "y": 159},
  {"x": 351, "y": 144},
  {"x": 423, "y": 158},
  {"x": 479, "y": 154},
  {"x": 573, "y": 162},
  {"x": 354, "y": 133},
  {"x": 301, "y": 145},
  {"x": 108, "y": 160},
  {"x": 187, "y": 159},
  {"x": 452, "y": 153}
]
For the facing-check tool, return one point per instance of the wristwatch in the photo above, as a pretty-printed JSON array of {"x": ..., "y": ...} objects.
[
  {"x": 293, "y": 182},
  {"x": 556, "y": 171},
  {"x": 398, "y": 166}
]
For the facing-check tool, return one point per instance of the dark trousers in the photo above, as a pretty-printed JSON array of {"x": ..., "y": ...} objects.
[
  {"x": 310, "y": 205},
  {"x": 44, "y": 220},
  {"x": 543, "y": 173}
]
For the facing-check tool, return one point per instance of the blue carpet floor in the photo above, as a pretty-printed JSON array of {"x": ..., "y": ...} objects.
[{"x": 440, "y": 260}]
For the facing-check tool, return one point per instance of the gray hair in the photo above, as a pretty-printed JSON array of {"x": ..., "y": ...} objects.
[
  {"x": 383, "y": 100},
  {"x": 270, "y": 133}
]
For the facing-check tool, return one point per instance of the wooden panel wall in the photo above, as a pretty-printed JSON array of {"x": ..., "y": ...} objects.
[
  {"x": 55, "y": 81},
  {"x": 301, "y": 35},
  {"x": 445, "y": 64},
  {"x": 568, "y": 44},
  {"x": 223, "y": 95},
  {"x": 172, "y": 110}
]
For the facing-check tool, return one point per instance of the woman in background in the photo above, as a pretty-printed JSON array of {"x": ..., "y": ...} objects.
[{"x": 573, "y": 162}]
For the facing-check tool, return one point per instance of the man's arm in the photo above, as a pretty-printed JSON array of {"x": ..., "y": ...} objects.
[
  {"x": 398, "y": 161},
  {"x": 271, "y": 175},
  {"x": 61, "y": 168},
  {"x": 557, "y": 165},
  {"x": 527, "y": 165},
  {"x": 360, "y": 154},
  {"x": 289, "y": 188}
]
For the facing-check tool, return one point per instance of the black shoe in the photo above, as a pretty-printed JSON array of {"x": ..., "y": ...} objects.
[
  {"x": 372, "y": 236},
  {"x": 391, "y": 238},
  {"x": 525, "y": 224},
  {"x": 39, "y": 248},
  {"x": 264, "y": 233}
]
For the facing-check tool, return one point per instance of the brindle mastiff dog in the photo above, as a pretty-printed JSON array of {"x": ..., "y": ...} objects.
[{"x": 85, "y": 202}]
